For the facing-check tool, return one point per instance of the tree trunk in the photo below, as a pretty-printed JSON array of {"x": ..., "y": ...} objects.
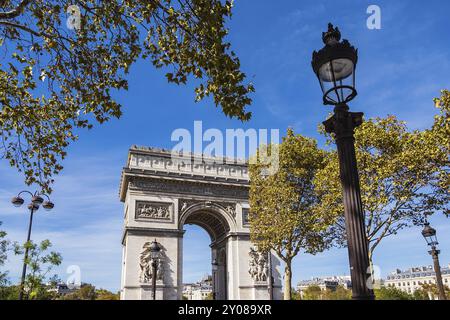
[
  {"x": 372, "y": 272},
  {"x": 287, "y": 281}
]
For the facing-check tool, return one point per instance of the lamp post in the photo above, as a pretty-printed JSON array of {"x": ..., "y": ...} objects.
[
  {"x": 429, "y": 234},
  {"x": 36, "y": 201},
  {"x": 334, "y": 66},
  {"x": 155, "y": 249},
  {"x": 215, "y": 267},
  {"x": 270, "y": 277}
]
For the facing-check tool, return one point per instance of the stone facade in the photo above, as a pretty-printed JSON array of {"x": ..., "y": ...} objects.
[
  {"x": 161, "y": 192},
  {"x": 412, "y": 279}
]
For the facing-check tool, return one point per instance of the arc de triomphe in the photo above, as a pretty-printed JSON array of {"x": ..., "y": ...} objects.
[{"x": 162, "y": 193}]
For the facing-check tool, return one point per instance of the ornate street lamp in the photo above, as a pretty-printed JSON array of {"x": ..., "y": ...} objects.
[
  {"x": 429, "y": 234},
  {"x": 155, "y": 249},
  {"x": 334, "y": 66},
  {"x": 36, "y": 201}
]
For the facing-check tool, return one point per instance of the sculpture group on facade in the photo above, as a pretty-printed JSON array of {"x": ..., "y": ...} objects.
[
  {"x": 258, "y": 265},
  {"x": 146, "y": 265},
  {"x": 152, "y": 210}
]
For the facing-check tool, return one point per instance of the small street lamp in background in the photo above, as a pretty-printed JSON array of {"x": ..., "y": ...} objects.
[
  {"x": 36, "y": 201},
  {"x": 334, "y": 66},
  {"x": 429, "y": 234},
  {"x": 155, "y": 256},
  {"x": 215, "y": 267}
]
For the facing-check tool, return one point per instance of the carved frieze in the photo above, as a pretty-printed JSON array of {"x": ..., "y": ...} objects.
[
  {"x": 154, "y": 210},
  {"x": 188, "y": 187}
]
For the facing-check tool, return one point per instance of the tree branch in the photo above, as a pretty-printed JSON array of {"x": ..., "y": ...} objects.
[
  {"x": 22, "y": 27},
  {"x": 17, "y": 11}
]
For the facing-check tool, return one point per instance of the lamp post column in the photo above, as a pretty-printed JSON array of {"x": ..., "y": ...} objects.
[
  {"x": 437, "y": 269},
  {"x": 154, "y": 270},
  {"x": 270, "y": 277},
  {"x": 214, "y": 278},
  {"x": 24, "y": 268},
  {"x": 342, "y": 124}
]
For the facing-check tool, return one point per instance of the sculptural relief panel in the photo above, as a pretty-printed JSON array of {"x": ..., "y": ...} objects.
[
  {"x": 156, "y": 211},
  {"x": 258, "y": 265}
]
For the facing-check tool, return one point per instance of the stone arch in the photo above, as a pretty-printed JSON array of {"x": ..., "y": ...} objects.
[
  {"x": 214, "y": 218},
  {"x": 161, "y": 195}
]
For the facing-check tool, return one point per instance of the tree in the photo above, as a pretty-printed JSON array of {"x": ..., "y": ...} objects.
[
  {"x": 390, "y": 293},
  {"x": 60, "y": 70},
  {"x": 431, "y": 291},
  {"x": 283, "y": 214},
  {"x": 209, "y": 296},
  {"x": 39, "y": 265},
  {"x": 421, "y": 294},
  {"x": 339, "y": 293},
  {"x": 399, "y": 176},
  {"x": 85, "y": 292},
  {"x": 4, "y": 243},
  {"x": 88, "y": 292},
  {"x": 439, "y": 136},
  {"x": 312, "y": 292},
  {"x": 9, "y": 292},
  {"x": 103, "y": 294},
  {"x": 295, "y": 295}
]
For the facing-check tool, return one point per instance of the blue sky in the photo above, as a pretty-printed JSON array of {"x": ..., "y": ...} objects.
[{"x": 400, "y": 69}]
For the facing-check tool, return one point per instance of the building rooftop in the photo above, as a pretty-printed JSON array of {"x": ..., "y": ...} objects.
[
  {"x": 416, "y": 272},
  {"x": 325, "y": 280}
]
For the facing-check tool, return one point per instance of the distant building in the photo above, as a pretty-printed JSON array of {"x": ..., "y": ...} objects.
[
  {"x": 324, "y": 283},
  {"x": 410, "y": 280},
  {"x": 200, "y": 290},
  {"x": 62, "y": 288}
]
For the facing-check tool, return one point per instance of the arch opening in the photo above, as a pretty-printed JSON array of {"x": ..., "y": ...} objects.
[{"x": 217, "y": 227}]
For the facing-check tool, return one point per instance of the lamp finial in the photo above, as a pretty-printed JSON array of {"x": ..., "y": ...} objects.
[{"x": 332, "y": 36}]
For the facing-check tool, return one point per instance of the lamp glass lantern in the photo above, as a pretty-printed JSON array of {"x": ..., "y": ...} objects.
[
  {"x": 155, "y": 250},
  {"x": 48, "y": 205},
  {"x": 215, "y": 265},
  {"x": 17, "y": 201},
  {"x": 334, "y": 66},
  {"x": 37, "y": 200},
  {"x": 429, "y": 234}
]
